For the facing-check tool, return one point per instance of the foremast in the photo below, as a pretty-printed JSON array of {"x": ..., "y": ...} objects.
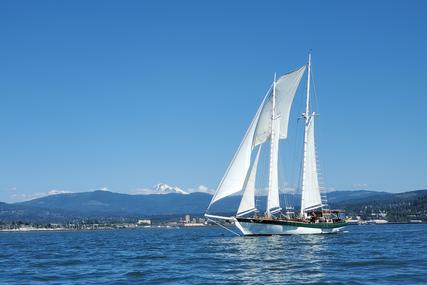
[{"x": 273, "y": 201}]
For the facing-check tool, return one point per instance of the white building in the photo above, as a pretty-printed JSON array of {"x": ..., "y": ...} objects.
[
  {"x": 187, "y": 219},
  {"x": 144, "y": 222}
]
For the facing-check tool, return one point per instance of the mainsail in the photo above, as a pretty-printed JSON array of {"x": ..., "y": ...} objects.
[
  {"x": 260, "y": 131},
  {"x": 310, "y": 185},
  {"x": 310, "y": 196}
]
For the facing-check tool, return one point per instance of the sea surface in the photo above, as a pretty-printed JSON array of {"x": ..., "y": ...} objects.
[{"x": 368, "y": 254}]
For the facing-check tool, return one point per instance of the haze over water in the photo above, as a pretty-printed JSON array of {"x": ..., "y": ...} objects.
[{"x": 374, "y": 254}]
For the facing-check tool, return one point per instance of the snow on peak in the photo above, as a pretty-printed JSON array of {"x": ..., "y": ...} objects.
[
  {"x": 163, "y": 188},
  {"x": 160, "y": 188}
]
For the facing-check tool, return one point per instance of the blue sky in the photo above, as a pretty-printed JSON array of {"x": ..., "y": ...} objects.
[{"x": 124, "y": 95}]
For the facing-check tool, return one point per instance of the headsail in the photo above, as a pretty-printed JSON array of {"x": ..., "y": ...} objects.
[
  {"x": 234, "y": 177},
  {"x": 247, "y": 204},
  {"x": 310, "y": 185}
]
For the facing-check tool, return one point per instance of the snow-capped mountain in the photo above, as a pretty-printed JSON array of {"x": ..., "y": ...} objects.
[{"x": 161, "y": 188}]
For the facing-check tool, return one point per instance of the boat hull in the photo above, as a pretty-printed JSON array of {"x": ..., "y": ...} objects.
[{"x": 279, "y": 227}]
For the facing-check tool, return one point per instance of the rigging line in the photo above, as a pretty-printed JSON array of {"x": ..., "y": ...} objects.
[
  {"x": 224, "y": 227},
  {"x": 259, "y": 156},
  {"x": 298, "y": 152},
  {"x": 324, "y": 182},
  {"x": 266, "y": 176},
  {"x": 316, "y": 157},
  {"x": 282, "y": 169},
  {"x": 298, "y": 158},
  {"x": 299, "y": 187},
  {"x": 316, "y": 100},
  {"x": 259, "y": 179}
]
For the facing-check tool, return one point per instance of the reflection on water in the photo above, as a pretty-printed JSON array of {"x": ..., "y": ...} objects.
[
  {"x": 276, "y": 259},
  {"x": 312, "y": 248}
]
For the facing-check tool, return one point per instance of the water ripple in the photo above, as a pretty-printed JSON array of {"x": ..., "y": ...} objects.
[{"x": 386, "y": 254}]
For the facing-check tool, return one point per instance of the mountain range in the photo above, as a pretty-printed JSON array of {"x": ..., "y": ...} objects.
[{"x": 176, "y": 202}]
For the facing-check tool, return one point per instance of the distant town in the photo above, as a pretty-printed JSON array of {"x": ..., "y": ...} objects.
[
  {"x": 377, "y": 218},
  {"x": 185, "y": 221}
]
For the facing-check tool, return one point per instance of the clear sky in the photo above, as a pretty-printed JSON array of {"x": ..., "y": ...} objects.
[{"x": 126, "y": 94}]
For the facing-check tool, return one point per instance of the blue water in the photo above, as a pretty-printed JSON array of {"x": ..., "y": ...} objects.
[{"x": 371, "y": 254}]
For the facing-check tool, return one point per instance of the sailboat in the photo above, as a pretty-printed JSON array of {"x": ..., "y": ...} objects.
[{"x": 269, "y": 127}]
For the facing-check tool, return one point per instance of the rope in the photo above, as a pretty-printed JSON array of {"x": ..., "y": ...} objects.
[
  {"x": 218, "y": 224},
  {"x": 316, "y": 100},
  {"x": 323, "y": 183}
]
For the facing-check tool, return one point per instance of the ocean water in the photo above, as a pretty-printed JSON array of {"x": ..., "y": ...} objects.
[{"x": 369, "y": 254}]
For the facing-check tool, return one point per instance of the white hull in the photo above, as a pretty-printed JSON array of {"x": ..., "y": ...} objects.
[{"x": 273, "y": 229}]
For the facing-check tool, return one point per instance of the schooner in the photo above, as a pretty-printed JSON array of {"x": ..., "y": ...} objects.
[{"x": 268, "y": 127}]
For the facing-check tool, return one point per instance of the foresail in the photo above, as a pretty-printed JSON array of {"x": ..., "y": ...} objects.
[
  {"x": 247, "y": 204},
  {"x": 286, "y": 87},
  {"x": 235, "y": 176},
  {"x": 311, "y": 198}
]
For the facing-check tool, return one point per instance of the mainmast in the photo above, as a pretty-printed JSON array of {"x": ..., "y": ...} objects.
[
  {"x": 273, "y": 190},
  {"x": 306, "y": 116}
]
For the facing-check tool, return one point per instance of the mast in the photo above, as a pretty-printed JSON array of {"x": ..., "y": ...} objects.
[
  {"x": 306, "y": 116},
  {"x": 272, "y": 176}
]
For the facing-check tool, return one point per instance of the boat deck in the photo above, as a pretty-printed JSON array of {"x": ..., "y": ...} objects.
[{"x": 293, "y": 222}]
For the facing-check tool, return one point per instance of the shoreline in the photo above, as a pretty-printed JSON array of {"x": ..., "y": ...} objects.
[{"x": 29, "y": 230}]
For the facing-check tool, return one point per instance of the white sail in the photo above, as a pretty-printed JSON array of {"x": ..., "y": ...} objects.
[
  {"x": 286, "y": 87},
  {"x": 247, "y": 204},
  {"x": 310, "y": 185},
  {"x": 259, "y": 131},
  {"x": 235, "y": 176},
  {"x": 273, "y": 201}
]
